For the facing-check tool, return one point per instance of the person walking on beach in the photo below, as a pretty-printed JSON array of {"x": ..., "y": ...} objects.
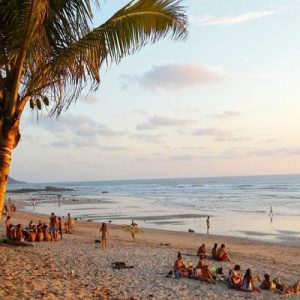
[
  {"x": 105, "y": 234},
  {"x": 133, "y": 229},
  {"x": 208, "y": 224}
]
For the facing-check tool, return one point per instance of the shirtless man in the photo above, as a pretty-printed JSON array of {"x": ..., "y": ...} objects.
[
  {"x": 52, "y": 227},
  {"x": 222, "y": 254}
]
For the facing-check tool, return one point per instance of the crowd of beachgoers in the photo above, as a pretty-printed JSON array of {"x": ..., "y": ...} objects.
[
  {"x": 235, "y": 280},
  {"x": 216, "y": 266},
  {"x": 38, "y": 232}
]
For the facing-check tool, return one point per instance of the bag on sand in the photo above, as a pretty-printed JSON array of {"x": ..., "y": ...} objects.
[{"x": 120, "y": 265}]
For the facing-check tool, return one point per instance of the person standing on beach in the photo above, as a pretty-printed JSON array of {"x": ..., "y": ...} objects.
[
  {"x": 59, "y": 227},
  {"x": 208, "y": 224},
  {"x": 105, "y": 234},
  {"x": 133, "y": 229},
  {"x": 52, "y": 227}
]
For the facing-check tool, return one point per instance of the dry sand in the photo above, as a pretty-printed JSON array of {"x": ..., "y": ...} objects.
[{"x": 77, "y": 268}]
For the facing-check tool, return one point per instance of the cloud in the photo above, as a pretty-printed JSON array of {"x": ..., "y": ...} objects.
[
  {"x": 149, "y": 138},
  {"x": 226, "y": 114},
  {"x": 174, "y": 76},
  {"x": 156, "y": 122},
  {"x": 209, "y": 20},
  {"x": 77, "y": 131},
  {"x": 234, "y": 139},
  {"x": 212, "y": 132},
  {"x": 276, "y": 151}
]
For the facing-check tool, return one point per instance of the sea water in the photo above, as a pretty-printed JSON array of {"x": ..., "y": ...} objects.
[{"x": 237, "y": 206}]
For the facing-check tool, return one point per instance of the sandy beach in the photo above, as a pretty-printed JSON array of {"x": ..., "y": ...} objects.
[{"x": 78, "y": 268}]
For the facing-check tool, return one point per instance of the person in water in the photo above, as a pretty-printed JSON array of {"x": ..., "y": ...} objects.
[
  {"x": 202, "y": 251},
  {"x": 267, "y": 283},
  {"x": 222, "y": 254},
  {"x": 214, "y": 251},
  {"x": 235, "y": 279},
  {"x": 104, "y": 236}
]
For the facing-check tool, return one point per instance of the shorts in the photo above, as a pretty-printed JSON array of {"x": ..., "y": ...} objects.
[
  {"x": 103, "y": 237},
  {"x": 52, "y": 229}
]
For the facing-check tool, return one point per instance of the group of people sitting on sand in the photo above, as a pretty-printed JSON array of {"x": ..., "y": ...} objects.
[
  {"x": 38, "y": 232},
  {"x": 247, "y": 282},
  {"x": 219, "y": 254}
]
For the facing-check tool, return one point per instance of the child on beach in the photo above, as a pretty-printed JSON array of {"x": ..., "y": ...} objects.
[{"x": 105, "y": 234}]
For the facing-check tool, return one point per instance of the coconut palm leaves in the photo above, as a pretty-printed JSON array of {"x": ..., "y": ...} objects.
[{"x": 47, "y": 47}]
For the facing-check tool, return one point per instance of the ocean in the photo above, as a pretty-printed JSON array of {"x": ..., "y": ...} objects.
[{"x": 238, "y": 206}]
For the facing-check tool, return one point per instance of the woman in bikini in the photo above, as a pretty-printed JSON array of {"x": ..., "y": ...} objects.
[
  {"x": 104, "y": 236},
  {"x": 235, "y": 279},
  {"x": 205, "y": 273},
  {"x": 180, "y": 269}
]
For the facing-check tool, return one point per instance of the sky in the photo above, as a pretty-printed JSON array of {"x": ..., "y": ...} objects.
[{"x": 225, "y": 102}]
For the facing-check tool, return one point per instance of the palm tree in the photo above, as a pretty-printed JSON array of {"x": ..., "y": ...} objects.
[{"x": 49, "y": 53}]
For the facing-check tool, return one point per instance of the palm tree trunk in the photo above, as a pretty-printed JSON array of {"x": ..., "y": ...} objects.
[{"x": 8, "y": 140}]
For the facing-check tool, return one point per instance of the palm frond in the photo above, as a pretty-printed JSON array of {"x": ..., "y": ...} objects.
[{"x": 79, "y": 62}]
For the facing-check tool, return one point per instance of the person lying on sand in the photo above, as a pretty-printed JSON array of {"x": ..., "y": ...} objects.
[
  {"x": 214, "y": 251},
  {"x": 180, "y": 269},
  {"x": 290, "y": 290},
  {"x": 249, "y": 282},
  {"x": 222, "y": 254},
  {"x": 202, "y": 251},
  {"x": 267, "y": 283},
  {"x": 235, "y": 278}
]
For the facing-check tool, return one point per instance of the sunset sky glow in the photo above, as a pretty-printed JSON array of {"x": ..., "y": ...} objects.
[{"x": 224, "y": 102}]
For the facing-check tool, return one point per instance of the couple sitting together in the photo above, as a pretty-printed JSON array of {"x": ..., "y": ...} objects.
[{"x": 201, "y": 271}]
